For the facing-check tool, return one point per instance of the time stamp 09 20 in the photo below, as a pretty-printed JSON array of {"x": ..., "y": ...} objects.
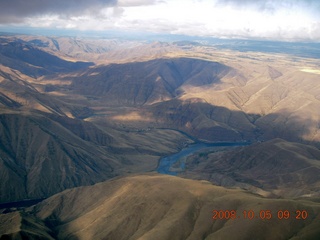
[{"x": 261, "y": 214}]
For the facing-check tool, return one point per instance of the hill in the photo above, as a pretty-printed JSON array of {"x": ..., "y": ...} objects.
[
  {"x": 113, "y": 210},
  {"x": 20, "y": 55},
  {"x": 74, "y": 123},
  {"x": 142, "y": 83},
  {"x": 221, "y": 94},
  {"x": 45, "y": 154},
  {"x": 207, "y": 99},
  {"x": 271, "y": 168}
]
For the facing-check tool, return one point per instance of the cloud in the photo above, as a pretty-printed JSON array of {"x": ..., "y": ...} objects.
[
  {"x": 262, "y": 2},
  {"x": 272, "y": 5},
  {"x": 15, "y": 11},
  {"x": 134, "y": 3},
  {"x": 268, "y": 19}
]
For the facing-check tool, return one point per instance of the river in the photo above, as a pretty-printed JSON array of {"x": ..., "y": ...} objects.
[
  {"x": 19, "y": 204},
  {"x": 167, "y": 162}
]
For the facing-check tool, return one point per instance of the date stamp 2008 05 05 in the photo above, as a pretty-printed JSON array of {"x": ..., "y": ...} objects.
[{"x": 262, "y": 214}]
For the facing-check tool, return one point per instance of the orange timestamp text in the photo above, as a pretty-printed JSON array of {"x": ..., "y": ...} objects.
[{"x": 262, "y": 214}]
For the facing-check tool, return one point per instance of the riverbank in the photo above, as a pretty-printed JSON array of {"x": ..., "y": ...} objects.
[
  {"x": 166, "y": 164},
  {"x": 13, "y": 206}
]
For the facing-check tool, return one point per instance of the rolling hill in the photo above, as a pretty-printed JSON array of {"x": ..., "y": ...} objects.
[
  {"x": 145, "y": 83},
  {"x": 66, "y": 123},
  {"x": 32, "y": 61},
  {"x": 274, "y": 167},
  {"x": 207, "y": 99},
  {"x": 44, "y": 154},
  {"x": 143, "y": 207},
  {"x": 232, "y": 96}
]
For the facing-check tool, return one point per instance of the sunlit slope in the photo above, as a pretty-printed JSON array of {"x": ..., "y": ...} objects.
[
  {"x": 153, "y": 94},
  {"x": 18, "y": 225},
  {"x": 128, "y": 114},
  {"x": 165, "y": 207},
  {"x": 21, "y": 92},
  {"x": 248, "y": 99},
  {"x": 243, "y": 96},
  {"x": 275, "y": 167},
  {"x": 32, "y": 61},
  {"x": 45, "y": 144},
  {"x": 99, "y": 50},
  {"x": 282, "y": 98}
]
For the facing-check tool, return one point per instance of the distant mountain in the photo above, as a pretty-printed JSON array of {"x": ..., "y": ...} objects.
[
  {"x": 279, "y": 167},
  {"x": 34, "y": 62},
  {"x": 297, "y": 49},
  {"x": 157, "y": 88},
  {"x": 45, "y": 145},
  {"x": 162, "y": 207},
  {"x": 65, "y": 123},
  {"x": 97, "y": 50},
  {"x": 207, "y": 99}
]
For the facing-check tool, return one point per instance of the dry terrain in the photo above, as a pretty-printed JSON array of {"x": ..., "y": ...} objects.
[
  {"x": 272, "y": 169},
  {"x": 161, "y": 207},
  {"x": 78, "y": 112}
]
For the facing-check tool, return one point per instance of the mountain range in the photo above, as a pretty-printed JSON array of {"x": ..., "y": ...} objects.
[{"x": 83, "y": 120}]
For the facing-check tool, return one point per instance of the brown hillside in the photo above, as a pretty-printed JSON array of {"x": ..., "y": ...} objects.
[
  {"x": 44, "y": 154},
  {"x": 277, "y": 166},
  {"x": 32, "y": 61},
  {"x": 148, "y": 82},
  {"x": 165, "y": 207}
]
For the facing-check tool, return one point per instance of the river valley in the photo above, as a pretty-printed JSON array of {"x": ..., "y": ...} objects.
[{"x": 166, "y": 163}]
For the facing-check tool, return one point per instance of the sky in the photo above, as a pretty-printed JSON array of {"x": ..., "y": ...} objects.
[{"x": 285, "y": 20}]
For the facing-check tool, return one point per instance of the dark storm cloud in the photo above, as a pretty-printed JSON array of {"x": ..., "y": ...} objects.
[{"x": 14, "y": 11}]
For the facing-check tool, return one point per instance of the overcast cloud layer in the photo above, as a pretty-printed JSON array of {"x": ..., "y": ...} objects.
[{"x": 270, "y": 19}]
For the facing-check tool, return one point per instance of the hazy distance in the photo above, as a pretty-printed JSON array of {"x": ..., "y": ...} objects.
[{"x": 272, "y": 20}]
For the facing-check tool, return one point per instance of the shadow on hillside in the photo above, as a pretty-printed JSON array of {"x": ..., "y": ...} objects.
[
  {"x": 34, "y": 62},
  {"x": 140, "y": 83},
  {"x": 215, "y": 123}
]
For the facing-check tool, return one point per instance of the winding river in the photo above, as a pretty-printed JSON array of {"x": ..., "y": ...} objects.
[{"x": 167, "y": 162}]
